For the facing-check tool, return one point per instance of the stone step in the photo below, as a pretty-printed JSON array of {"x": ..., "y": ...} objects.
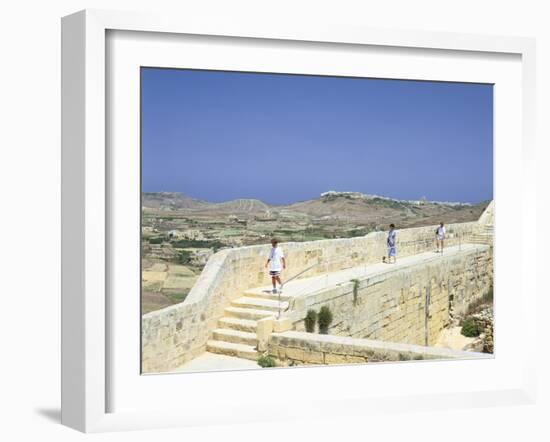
[
  {"x": 247, "y": 325},
  {"x": 248, "y": 313},
  {"x": 232, "y": 349},
  {"x": 259, "y": 303},
  {"x": 266, "y": 295},
  {"x": 236, "y": 336}
]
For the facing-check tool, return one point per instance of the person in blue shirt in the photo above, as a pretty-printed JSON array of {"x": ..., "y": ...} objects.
[{"x": 391, "y": 241}]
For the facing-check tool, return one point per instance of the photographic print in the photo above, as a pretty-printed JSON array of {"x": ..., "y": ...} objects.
[{"x": 295, "y": 220}]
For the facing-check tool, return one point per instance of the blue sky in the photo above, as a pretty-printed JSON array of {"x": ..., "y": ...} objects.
[{"x": 218, "y": 136}]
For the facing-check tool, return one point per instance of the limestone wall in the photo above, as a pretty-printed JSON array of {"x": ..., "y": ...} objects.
[
  {"x": 488, "y": 215},
  {"x": 176, "y": 334},
  {"x": 410, "y": 304},
  {"x": 308, "y": 348}
]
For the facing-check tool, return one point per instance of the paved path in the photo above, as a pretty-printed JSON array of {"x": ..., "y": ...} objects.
[
  {"x": 308, "y": 285},
  {"x": 212, "y": 362}
]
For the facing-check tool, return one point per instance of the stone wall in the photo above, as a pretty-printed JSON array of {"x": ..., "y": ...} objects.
[
  {"x": 409, "y": 304},
  {"x": 488, "y": 215},
  {"x": 176, "y": 334},
  {"x": 307, "y": 348}
]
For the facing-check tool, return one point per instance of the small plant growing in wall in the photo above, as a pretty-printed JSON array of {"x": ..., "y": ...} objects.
[
  {"x": 266, "y": 361},
  {"x": 324, "y": 319},
  {"x": 355, "y": 283},
  {"x": 310, "y": 320}
]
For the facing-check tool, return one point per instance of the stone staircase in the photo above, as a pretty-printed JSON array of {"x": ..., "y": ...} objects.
[
  {"x": 483, "y": 236},
  {"x": 236, "y": 332}
]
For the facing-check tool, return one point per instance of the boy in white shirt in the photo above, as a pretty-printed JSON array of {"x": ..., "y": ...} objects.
[{"x": 276, "y": 262}]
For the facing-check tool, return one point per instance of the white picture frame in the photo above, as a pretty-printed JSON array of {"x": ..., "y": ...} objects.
[{"x": 86, "y": 351}]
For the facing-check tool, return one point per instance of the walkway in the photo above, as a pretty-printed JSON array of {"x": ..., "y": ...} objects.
[
  {"x": 309, "y": 285},
  {"x": 236, "y": 336},
  {"x": 214, "y": 362}
]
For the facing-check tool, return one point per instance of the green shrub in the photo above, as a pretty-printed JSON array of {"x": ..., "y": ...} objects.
[
  {"x": 310, "y": 320},
  {"x": 197, "y": 243},
  {"x": 185, "y": 257},
  {"x": 156, "y": 240},
  {"x": 470, "y": 328},
  {"x": 324, "y": 319},
  {"x": 266, "y": 361},
  {"x": 177, "y": 296},
  {"x": 356, "y": 232}
]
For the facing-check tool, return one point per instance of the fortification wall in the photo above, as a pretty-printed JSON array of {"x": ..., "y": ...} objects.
[
  {"x": 488, "y": 215},
  {"x": 408, "y": 305},
  {"x": 176, "y": 334}
]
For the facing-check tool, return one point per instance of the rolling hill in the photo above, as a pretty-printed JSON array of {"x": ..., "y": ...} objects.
[{"x": 338, "y": 207}]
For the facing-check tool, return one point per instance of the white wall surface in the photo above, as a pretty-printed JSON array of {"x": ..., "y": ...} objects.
[{"x": 30, "y": 215}]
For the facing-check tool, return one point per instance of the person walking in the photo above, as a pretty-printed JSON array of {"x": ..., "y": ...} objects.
[
  {"x": 391, "y": 243},
  {"x": 277, "y": 263},
  {"x": 440, "y": 237}
]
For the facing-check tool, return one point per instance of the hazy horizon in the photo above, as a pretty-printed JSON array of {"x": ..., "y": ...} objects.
[
  {"x": 219, "y": 136},
  {"x": 307, "y": 199}
]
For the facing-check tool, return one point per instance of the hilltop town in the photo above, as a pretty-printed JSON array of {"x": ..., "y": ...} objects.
[{"x": 180, "y": 233}]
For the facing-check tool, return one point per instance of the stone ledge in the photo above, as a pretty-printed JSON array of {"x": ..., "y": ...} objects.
[{"x": 313, "y": 348}]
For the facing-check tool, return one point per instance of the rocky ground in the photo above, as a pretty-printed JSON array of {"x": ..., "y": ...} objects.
[
  {"x": 452, "y": 337},
  {"x": 485, "y": 320}
]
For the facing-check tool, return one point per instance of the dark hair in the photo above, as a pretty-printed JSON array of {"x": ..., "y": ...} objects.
[
  {"x": 274, "y": 241},
  {"x": 441, "y": 223},
  {"x": 392, "y": 226}
]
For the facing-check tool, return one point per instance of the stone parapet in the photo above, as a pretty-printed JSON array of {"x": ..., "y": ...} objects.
[{"x": 293, "y": 347}]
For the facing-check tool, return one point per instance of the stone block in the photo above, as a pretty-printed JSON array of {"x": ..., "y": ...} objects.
[
  {"x": 300, "y": 304},
  {"x": 335, "y": 358},
  {"x": 264, "y": 329},
  {"x": 282, "y": 325},
  {"x": 296, "y": 354},
  {"x": 313, "y": 357}
]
